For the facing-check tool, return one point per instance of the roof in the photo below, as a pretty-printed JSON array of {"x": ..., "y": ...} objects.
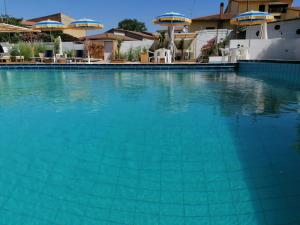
[
  {"x": 215, "y": 17},
  {"x": 133, "y": 34},
  {"x": 27, "y": 23},
  {"x": 267, "y": 1},
  {"x": 295, "y": 8},
  {"x": 180, "y": 35},
  {"x": 176, "y": 29},
  {"x": 57, "y": 17},
  {"x": 108, "y": 36}
]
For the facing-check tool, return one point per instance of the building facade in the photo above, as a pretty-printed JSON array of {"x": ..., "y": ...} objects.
[
  {"x": 63, "y": 19},
  {"x": 281, "y": 9},
  {"x": 286, "y": 29}
]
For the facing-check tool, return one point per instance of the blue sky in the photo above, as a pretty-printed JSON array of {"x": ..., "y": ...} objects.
[{"x": 110, "y": 12}]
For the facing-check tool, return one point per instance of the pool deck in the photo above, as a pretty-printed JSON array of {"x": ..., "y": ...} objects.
[{"x": 202, "y": 67}]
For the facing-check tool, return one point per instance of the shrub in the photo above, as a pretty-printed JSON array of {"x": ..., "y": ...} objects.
[
  {"x": 69, "y": 53},
  {"x": 130, "y": 55},
  {"x": 25, "y": 50},
  {"x": 137, "y": 54},
  {"x": 39, "y": 48},
  {"x": 133, "y": 55},
  {"x": 14, "y": 51}
]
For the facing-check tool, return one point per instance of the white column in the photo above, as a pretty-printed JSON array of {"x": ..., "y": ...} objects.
[
  {"x": 264, "y": 31},
  {"x": 171, "y": 46}
]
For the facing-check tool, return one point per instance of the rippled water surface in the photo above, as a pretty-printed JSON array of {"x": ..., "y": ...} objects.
[{"x": 148, "y": 148}]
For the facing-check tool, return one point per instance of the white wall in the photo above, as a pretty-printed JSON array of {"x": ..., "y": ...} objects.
[
  {"x": 204, "y": 36},
  {"x": 127, "y": 45},
  {"x": 67, "y": 46},
  {"x": 287, "y": 30},
  {"x": 282, "y": 49}
]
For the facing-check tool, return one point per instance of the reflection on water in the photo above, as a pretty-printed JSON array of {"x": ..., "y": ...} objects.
[
  {"x": 250, "y": 94},
  {"x": 140, "y": 147},
  {"x": 246, "y": 94}
]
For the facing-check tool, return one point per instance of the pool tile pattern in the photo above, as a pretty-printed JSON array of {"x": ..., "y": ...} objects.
[{"x": 177, "y": 148}]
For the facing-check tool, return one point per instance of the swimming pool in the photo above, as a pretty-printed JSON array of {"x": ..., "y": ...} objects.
[{"x": 145, "y": 148}]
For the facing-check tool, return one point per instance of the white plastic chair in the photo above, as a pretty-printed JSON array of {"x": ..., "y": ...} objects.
[
  {"x": 244, "y": 53},
  {"x": 162, "y": 55}
]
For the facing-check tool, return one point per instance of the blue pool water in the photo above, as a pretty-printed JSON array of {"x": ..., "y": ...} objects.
[{"x": 148, "y": 148}]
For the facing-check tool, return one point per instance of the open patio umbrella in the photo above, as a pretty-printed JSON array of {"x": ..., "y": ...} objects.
[
  {"x": 254, "y": 18},
  {"x": 8, "y": 28},
  {"x": 86, "y": 24},
  {"x": 49, "y": 25},
  {"x": 172, "y": 20}
]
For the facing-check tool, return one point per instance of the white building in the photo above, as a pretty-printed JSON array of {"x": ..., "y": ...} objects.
[{"x": 279, "y": 29}]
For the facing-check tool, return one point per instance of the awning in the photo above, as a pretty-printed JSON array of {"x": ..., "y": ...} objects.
[{"x": 8, "y": 28}]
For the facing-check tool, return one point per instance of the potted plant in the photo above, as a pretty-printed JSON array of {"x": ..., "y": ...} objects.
[
  {"x": 144, "y": 56},
  {"x": 39, "y": 48}
]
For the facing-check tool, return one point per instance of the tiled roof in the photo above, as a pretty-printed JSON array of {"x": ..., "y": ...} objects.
[
  {"x": 27, "y": 23},
  {"x": 108, "y": 36},
  {"x": 133, "y": 34},
  {"x": 215, "y": 17},
  {"x": 295, "y": 8},
  {"x": 57, "y": 17}
]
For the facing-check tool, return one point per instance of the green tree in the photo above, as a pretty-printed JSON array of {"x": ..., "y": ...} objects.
[{"x": 132, "y": 25}]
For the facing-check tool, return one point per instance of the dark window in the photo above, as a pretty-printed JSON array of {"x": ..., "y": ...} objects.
[
  {"x": 280, "y": 8},
  {"x": 298, "y": 31},
  {"x": 257, "y": 33},
  {"x": 262, "y": 8},
  {"x": 210, "y": 28},
  {"x": 277, "y": 17},
  {"x": 49, "y": 53},
  {"x": 277, "y": 27}
]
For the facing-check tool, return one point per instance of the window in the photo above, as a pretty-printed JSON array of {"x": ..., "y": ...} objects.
[
  {"x": 257, "y": 33},
  {"x": 262, "y": 8},
  {"x": 298, "y": 31},
  {"x": 278, "y": 8},
  {"x": 210, "y": 28},
  {"x": 277, "y": 27}
]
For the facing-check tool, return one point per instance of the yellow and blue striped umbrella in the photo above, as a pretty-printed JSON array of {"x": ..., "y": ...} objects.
[
  {"x": 85, "y": 24},
  {"x": 172, "y": 19},
  {"x": 49, "y": 25},
  {"x": 252, "y": 18}
]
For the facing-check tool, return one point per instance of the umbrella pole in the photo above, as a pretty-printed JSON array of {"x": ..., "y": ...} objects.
[
  {"x": 53, "y": 49},
  {"x": 265, "y": 31},
  {"x": 88, "y": 51},
  {"x": 171, "y": 30}
]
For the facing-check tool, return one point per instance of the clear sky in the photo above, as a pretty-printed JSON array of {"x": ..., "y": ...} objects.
[{"x": 110, "y": 12}]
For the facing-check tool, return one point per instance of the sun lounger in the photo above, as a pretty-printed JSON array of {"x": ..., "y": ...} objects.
[
  {"x": 4, "y": 54},
  {"x": 19, "y": 58},
  {"x": 49, "y": 56},
  {"x": 5, "y": 58}
]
